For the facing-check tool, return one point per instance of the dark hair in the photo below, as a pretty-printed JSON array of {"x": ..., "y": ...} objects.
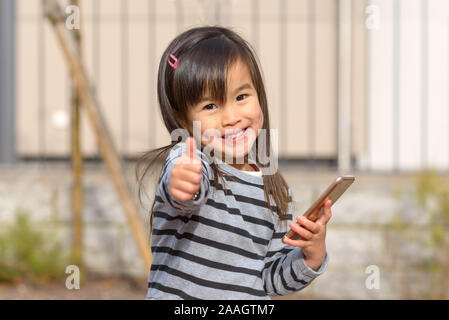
[{"x": 205, "y": 55}]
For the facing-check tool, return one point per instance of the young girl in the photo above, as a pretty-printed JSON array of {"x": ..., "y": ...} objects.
[{"x": 217, "y": 226}]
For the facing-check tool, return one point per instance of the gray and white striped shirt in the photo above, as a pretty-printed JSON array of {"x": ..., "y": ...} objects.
[{"x": 226, "y": 244}]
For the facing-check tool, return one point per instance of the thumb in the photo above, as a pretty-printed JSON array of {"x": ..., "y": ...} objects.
[
  {"x": 191, "y": 151},
  {"x": 327, "y": 214}
]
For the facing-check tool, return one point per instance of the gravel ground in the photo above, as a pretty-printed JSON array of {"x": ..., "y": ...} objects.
[{"x": 92, "y": 289}]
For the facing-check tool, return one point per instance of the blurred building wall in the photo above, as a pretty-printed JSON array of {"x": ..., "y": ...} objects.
[
  {"x": 399, "y": 75},
  {"x": 407, "y": 104},
  {"x": 7, "y": 90},
  {"x": 296, "y": 42}
]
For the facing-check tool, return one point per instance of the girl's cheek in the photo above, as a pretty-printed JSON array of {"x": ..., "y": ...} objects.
[
  {"x": 208, "y": 133},
  {"x": 260, "y": 119}
]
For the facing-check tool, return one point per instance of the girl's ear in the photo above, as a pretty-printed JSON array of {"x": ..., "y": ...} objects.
[
  {"x": 181, "y": 119},
  {"x": 184, "y": 123}
]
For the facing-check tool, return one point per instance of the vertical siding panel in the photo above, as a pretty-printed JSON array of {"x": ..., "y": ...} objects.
[
  {"x": 109, "y": 86},
  {"x": 281, "y": 86},
  {"x": 42, "y": 112},
  {"x": 411, "y": 86},
  {"x": 27, "y": 10},
  {"x": 225, "y": 15},
  {"x": 152, "y": 70},
  {"x": 396, "y": 46},
  {"x": 88, "y": 38},
  {"x": 240, "y": 20},
  {"x": 311, "y": 71},
  {"x": 193, "y": 13},
  {"x": 297, "y": 56},
  {"x": 358, "y": 78},
  {"x": 124, "y": 77},
  {"x": 325, "y": 79},
  {"x": 139, "y": 112},
  {"x": 269, "y": 45},
  {"x": 380, "y": 87},
  {"x": 86, "y": 8},
  {"x": 56, "y": 96},
  {"x": 26, "y": 79},
  {"x": 438, "y": 114},
  {"x": 165, "y": 32}
]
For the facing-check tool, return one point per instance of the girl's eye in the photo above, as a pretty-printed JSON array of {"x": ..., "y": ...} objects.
[
  {"x": 207, "y": 107},
  {"x": 241, "y": 96}
]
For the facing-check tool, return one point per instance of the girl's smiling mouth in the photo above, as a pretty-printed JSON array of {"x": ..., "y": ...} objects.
[{"x": 235, "y": 136}]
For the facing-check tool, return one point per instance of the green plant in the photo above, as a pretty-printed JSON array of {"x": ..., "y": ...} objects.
[
  {"x": 432, "y": 195},
  {"x": 27, "y": 253}
]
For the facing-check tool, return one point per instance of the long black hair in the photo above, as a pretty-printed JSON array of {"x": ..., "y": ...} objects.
[{"x": 205, "y": 55}]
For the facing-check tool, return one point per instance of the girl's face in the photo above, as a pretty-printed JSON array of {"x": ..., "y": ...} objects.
[{"x": 240, "y": 113}]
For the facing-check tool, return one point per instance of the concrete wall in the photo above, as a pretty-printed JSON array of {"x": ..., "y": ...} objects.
[{"x": 356, "y": 235}]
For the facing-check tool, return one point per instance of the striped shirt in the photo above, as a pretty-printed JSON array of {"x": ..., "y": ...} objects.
[{"x": 226, "y": 244}]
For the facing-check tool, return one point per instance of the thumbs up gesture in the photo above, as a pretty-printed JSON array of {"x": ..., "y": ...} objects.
[{"x": 186, "y": 176}]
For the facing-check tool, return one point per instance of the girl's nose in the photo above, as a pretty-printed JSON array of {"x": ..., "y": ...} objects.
[{"x": 230, "y": 116}]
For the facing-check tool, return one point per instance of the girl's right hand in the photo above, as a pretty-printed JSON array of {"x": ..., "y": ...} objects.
[{"x": 186, "y": 175}]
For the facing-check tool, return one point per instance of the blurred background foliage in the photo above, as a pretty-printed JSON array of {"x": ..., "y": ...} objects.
[
  {"x": 29, "y": 254},
  {"x": 419, "y": 247}
]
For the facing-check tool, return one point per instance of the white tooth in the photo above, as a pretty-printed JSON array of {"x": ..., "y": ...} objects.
[{"x": 235, "y": 135}]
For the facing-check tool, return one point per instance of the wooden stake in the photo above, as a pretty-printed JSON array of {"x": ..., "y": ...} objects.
[
  {"x": 107, "y": 149},
  {"x": 77, "y": 164}
]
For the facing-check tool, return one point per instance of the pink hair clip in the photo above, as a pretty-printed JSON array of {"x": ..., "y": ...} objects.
[{"x": 175, "y": 64}]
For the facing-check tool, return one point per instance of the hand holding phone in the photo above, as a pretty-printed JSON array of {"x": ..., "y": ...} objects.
[{"x": 333, "y": 192}]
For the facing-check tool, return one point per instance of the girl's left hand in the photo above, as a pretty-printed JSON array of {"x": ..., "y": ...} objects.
[{"x": 313, "y": 234}]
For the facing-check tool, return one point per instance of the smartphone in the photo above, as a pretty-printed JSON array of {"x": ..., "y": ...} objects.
[{"x": 333, "y": 192}]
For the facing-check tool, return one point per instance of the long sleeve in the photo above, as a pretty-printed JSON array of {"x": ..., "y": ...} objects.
[
  {"x": 285, "y": 270},
  {"x": 224, "y": 245},
  {"x": 163, "y": 188}
]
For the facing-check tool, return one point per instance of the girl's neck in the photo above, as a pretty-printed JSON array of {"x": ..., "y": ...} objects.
[{"x": 243, "y": 167}]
